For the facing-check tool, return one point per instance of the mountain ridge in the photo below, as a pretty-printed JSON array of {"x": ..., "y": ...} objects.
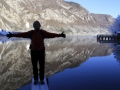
[{"x": 53, "y": 15}]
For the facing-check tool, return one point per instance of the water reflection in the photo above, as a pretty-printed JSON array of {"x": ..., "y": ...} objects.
[
  {"x": 115, "y": 45},
  {"x": 16, "y": 68},
  {"x": 97, "y": 73},
  {"x": 116, "y": 51}
]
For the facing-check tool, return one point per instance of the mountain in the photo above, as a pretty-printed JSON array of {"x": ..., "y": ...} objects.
[
  {"x": 15, "y": 62},
  {"x": 54, "y": 15}
]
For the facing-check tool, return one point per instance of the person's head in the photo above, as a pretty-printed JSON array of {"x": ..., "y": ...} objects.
[{"x": 36, "y": 25}]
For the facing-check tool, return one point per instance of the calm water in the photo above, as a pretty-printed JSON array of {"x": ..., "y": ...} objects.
[
  {"x": 97, "y": 73},
  {"x": 74, "y": 63}
]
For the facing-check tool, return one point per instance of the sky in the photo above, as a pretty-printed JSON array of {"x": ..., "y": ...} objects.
[{"x": 110, "y": 7}]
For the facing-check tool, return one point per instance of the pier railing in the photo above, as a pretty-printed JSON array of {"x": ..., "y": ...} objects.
[{"x": 108, "y": 38}]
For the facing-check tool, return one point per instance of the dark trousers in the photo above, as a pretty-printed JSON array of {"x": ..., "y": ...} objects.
[{"x": 38, "y": 56}]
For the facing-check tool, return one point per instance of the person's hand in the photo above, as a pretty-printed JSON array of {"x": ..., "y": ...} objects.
[
  {"x": 63, "y": 35},
  {"x": 9, "y": 35}
]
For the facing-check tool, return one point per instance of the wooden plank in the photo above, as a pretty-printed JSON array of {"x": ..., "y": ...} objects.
[{"x": 39, "y": 86}]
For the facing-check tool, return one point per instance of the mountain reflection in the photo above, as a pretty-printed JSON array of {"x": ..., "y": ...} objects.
[{"x": 15, "y": 64}]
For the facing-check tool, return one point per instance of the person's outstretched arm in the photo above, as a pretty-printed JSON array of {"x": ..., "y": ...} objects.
[
  {"x": 52, "y": 35},
  {"x": 22, "y": 34}
]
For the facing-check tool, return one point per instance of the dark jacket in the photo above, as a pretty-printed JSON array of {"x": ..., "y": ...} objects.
[{"x": 37, "y": 39}]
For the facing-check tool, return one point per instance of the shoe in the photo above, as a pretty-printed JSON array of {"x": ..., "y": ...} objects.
[
  {"x": 41, "y": 81},
  {"x": 35, "y": 82}
]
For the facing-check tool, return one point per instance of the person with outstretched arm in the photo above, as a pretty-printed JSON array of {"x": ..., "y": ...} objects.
[{"x": 37, "y": 47}]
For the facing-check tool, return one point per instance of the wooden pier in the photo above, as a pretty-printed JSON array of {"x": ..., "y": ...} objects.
[{"x": 108, "y": 38}]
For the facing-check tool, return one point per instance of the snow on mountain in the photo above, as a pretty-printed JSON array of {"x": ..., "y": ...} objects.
[{"x": 54, "y": 15}]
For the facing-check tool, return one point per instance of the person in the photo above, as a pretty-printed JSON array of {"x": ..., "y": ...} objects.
[{"x": 37, "y": 47}]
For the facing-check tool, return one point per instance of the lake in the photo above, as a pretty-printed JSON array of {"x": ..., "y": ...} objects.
[{"x": 73, "y": 63}]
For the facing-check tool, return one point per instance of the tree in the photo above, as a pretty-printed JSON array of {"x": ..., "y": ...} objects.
[{"x": 116, "y": 25}]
